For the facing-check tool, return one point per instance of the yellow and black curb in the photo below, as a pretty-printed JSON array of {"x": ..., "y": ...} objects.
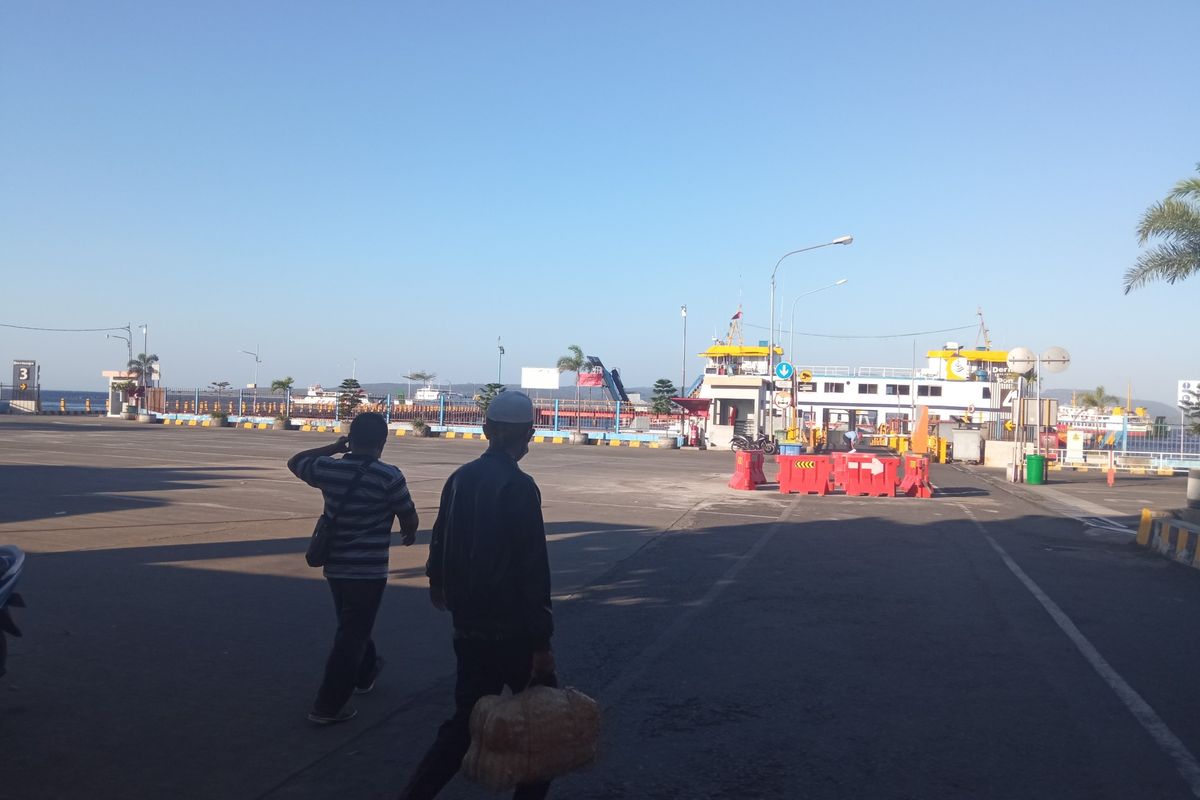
[{"x": 1174, "y": 538}]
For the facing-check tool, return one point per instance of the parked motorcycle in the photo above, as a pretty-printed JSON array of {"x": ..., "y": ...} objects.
[
  {"x": 760, "y": 442},
  {"x": 12, "y": 562}
]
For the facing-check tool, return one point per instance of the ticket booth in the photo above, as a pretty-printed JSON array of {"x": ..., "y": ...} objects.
[
  {"x": 118, "y": 400},
  {"x": 738, "y": 405}
]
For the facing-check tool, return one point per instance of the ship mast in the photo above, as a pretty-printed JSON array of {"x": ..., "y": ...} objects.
[
  {"x": 734, "y": 335},
  {"x": 983, "y": 331}
]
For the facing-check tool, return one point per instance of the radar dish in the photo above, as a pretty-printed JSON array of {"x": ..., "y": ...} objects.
[
  {"x": 1055, "y": 359},
  {"x": 1021, "y": 359}
]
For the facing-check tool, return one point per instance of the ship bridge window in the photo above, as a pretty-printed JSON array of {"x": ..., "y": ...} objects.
[
  {"x": 929, "y": 391},
  {"x": 868, "y": 388},
  {"x": 896, "y": 389},
  {"x": 836, "y": 388}
]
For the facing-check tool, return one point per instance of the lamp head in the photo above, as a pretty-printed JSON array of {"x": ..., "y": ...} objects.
[
  {"x": 843, "y": 240},
  {"x": 840, "y": 281}
]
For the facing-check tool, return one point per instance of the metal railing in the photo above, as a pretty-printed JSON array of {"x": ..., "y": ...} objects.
[
  {"x": 1135, "y": 462},
  {"x": 549, "y": 415}
]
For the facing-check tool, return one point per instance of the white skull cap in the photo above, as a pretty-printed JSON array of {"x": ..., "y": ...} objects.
[{"x": 515, "y": 407}]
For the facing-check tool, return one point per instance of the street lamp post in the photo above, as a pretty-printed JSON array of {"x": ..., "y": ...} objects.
[
  {"x": 683, "y": 362},
  {"x": 128, "y": 344},
  {"x": 257, "y": 361},
  {"x": 143, "y": 378},
  {"x": 792, "y": 321},
  {"x": 499, "y": 359},
  {"x": 771, "y": 338},
  {"x": 128, "y": 348}
]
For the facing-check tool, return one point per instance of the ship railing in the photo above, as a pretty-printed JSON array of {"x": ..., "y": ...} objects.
[
  {"x": 826, "y": 371},
  {"x": 886, "y": 372}
]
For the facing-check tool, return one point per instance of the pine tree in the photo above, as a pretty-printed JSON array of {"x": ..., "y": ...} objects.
[
  {"x": 664, "y": 390},
  {"x": 350, "y": 397}
]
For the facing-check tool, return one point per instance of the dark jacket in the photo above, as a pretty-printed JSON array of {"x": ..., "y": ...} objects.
[{"x": 488, "y": 553}]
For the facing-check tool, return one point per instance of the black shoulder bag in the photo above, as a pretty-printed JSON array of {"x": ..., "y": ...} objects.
[{"x": 326, "y": 527}]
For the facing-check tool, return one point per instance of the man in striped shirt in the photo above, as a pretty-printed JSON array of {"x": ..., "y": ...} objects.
[{"x": 363, "y": 494}]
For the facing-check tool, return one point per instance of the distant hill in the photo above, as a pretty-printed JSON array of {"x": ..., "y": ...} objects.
[{"x": 1153, "y": 407}]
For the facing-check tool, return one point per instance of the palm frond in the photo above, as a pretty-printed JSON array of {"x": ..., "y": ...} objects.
[
  {"x": 1168, "y": 262},
  {"x": 1173, "y": 219}
]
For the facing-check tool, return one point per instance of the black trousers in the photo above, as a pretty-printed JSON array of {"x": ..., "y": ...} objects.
[
  {"x": 483, "y": 668},
  {"x": 352, "y": 658}
]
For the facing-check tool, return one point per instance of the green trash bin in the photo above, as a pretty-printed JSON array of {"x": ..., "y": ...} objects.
[{"x": 1035, "y": 470}]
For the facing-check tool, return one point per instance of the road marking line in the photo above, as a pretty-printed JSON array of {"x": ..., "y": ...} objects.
[
  {"x": 611, "y": 694},
  {"x": 1153, "y": 724}
]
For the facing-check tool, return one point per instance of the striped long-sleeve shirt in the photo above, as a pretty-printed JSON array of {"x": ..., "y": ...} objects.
[{"x": 364, "y": 523}]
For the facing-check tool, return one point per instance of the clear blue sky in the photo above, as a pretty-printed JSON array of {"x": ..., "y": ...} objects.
[{"x": 401, "y": 183}]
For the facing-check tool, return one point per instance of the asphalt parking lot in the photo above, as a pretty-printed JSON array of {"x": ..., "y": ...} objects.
[{"x": 736, "y": 639}]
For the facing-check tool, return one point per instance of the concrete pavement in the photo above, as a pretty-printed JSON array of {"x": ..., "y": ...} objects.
[{"x": 743, "y": 644}]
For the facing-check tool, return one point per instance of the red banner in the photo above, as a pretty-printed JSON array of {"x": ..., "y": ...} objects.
[{"x": 591, "y": 379}]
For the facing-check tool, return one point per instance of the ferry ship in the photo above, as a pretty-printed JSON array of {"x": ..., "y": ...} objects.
[
  {"x": 431, "y": 394},
  {"x": 318, "y": 396},
  {"x": 1101, "y": 424},
  {"x": 957, "y": 384}
]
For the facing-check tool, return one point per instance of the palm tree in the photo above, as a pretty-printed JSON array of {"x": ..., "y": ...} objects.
[
  {"x": 1097, "y": 398},
  {"x": 220, "y": 386},
  {"x": 573, "y": 361},
  {"x": 1175, "y": 221},
  {"x": 283, "y": 385},
  {"x": 421, "y": 376},
  {"x": 142, "y": 369}
]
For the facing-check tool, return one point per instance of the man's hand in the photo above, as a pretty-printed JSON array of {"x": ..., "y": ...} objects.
[
  {"x": 543, "y": 664},
  {"x": 408, "y": 536},
  {"x": 342, "y": 445},
  {"x": 438, "y": 598}
]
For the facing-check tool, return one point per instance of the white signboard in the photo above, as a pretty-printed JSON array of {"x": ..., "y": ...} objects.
[
  {"x": 1189, "y": 391},
  {"x": 1075, "y": 446},
  {"x": 539, "y": 378}
]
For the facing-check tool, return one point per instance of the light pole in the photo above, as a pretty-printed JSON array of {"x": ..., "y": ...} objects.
[
  {"x": 129, "y": 349},
  {"x": 257, "y": 361},
  {"x": 792, "y": 321},
  {"x": 499, "y": 359},
  {"x": 683, "y": 362},
  {"x": 128, "y": 344},
  {"x": 771, "y": 339}
]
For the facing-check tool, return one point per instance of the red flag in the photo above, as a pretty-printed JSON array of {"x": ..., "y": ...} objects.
[{"x": 738, "y": 315}]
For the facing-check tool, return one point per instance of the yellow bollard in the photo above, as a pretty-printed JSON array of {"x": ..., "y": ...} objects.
[
  {"x": 62, "y": 404},
  {"x": 1147, "y": 524},
  {"x": 87, "y": 405}
]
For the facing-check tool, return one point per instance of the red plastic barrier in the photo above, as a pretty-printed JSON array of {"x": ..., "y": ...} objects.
[
  {"x": 916, "y": 476},
  {"x": 871, "y": 474},
  {"x": 743, "y": 470},
  {"x": 757, "y": 459},
  {"x": 806, "y": 474},
  {"x": 838, "y": 459}
]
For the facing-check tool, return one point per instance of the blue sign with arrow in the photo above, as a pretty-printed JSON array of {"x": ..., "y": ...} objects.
[{"x": 784, "y": 370}]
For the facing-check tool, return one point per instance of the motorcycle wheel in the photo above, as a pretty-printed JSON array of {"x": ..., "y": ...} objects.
[
  {"x": 770, "y": 447},
  {"x": 736, "y": 445}
]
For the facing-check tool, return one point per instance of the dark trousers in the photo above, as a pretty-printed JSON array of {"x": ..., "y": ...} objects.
[
  {"x": 483, "y": 668},
  {"x": 352, "y": 658}
]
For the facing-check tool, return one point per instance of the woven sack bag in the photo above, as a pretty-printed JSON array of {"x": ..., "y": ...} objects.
[{"x": 531, "y": 737}]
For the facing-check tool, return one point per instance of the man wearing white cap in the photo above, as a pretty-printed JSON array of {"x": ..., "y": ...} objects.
[{"x": 488, "y": 566}]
